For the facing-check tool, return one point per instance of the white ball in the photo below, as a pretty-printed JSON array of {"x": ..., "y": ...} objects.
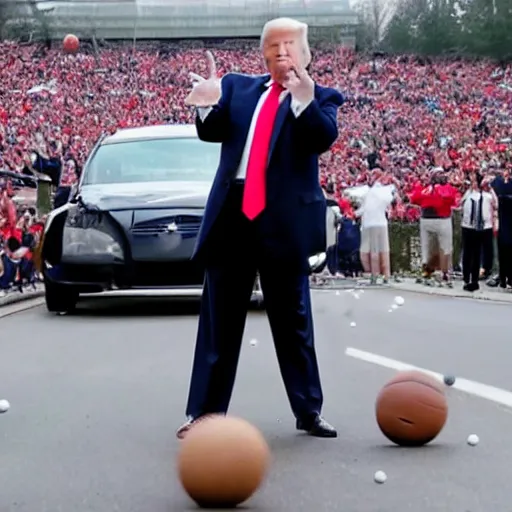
[
  {"x": 337, "y": 292},
  {"x": 390, "y": 311},
  {"x": 399, "y": 301},
  {"x": 4, "y": 406},
  {"x": 253, "y": 342},
  {"x": 380, "y": 477},
  {"x": 352, "y": 324},
  {"x": 394, "y": 306},
  {"x": 473, "y": 440}
]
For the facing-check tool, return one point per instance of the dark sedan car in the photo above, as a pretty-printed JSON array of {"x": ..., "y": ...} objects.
[{"x": 132, "y": 222}]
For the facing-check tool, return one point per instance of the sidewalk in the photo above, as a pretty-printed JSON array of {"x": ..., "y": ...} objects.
[
  {"x": 14, "y": 296},
  {"x": 408, "y": 284},
  {"x": 485, "y": 292}
]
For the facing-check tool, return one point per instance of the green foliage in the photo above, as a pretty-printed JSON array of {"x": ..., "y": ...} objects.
[
  {"x": 481, "y": 28},
  {"x": 44, "y": 197},
  {"x": 404, "y": 245},
  {"x": 4, "y": 17}
]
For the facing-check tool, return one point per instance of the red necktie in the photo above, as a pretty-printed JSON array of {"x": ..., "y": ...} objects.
[{"x": 254, "y": 199}]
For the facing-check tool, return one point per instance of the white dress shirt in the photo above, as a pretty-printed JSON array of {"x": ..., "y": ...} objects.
[
  {"x": 296, "y": 107},
  {"x": 470, "y": 200}
]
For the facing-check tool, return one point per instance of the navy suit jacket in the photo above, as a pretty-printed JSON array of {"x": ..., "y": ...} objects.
[{"x": 295, "y": 211}]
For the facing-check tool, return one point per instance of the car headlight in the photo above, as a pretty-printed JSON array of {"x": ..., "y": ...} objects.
[{"x": 86, "y": 239}]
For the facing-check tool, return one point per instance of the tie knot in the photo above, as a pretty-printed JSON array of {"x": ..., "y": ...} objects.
[{"x": 277, "y": 87}]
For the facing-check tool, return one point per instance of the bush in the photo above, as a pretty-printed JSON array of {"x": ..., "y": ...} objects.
[{"x": 405, "y": 248}]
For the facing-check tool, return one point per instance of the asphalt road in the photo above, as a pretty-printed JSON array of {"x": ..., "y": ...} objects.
[{"x": 96, "y": 398}]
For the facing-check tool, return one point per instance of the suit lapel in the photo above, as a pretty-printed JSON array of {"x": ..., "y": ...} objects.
[
  {"x": 250, "y": 102},
  {"x": 284, "y": 110}
]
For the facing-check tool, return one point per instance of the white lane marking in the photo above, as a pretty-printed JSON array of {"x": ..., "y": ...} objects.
[{"x": 497, "y": 395}]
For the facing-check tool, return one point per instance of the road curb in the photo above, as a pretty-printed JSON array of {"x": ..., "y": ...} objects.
[
  {"x": 350, "y": 285},
  {"x": 483, "y": 295},
  {"x": 456, "y": 292},
  {"x": 14, "y": 297}
]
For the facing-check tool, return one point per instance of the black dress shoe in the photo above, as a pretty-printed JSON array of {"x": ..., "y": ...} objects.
[{"x": 317, "y": 428}]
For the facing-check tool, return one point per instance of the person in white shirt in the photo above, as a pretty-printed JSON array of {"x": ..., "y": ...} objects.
[
  {"x": 478, "y": 212},
  {"x": 374, "y": 249}
]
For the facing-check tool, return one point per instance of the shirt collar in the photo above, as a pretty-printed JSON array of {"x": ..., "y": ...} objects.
[{"x": 269, "y": 83}]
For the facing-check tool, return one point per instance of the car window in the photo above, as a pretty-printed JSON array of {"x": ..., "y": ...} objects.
[{"x": 180, "y": 159}]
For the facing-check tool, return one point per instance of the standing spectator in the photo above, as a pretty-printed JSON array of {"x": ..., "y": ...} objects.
[
  {"x": 436, "y": 202},
  {"x": 502, "y": 186},
  {"x": 478, "y": 207},
  {"x": 349, "y": 242},
  {"x": 374, "y": 230},
  {"x": 333, "y": 217}
]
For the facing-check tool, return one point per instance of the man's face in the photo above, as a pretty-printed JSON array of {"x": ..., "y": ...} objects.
[{"x": 282, "y": 50}]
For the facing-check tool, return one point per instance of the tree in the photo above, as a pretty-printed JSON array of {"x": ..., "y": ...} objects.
[
  {"x": 436, "y": 27},
  {"x": 374, "y": 16},
  {"x": 402, "y": 28},
  {"x": 488, "y": 28},
  {"x": 5, "y": 15}
]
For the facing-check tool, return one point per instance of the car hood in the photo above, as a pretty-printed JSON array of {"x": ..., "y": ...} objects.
[{"x": 130, "y": 196}]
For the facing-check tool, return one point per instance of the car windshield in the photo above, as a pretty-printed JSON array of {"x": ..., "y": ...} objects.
[{"x": 178, "y": 159}]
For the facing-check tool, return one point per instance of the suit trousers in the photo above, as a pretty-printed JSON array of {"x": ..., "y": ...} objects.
[
  {"x": 475, "y": 248},
  {"x": 505, "y": 262},
  {"x": 488, "y": 251},
  {"x": 240, "y": 250}
]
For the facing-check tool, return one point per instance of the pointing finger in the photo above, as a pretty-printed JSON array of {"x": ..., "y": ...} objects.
[{"x": 211, "y": 64}]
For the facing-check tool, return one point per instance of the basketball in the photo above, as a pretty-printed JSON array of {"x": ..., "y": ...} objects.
[
  {"x": 222, "y": 462},
  {"x": 411, "y": 409},
  {"x": 71, "y": 43}
]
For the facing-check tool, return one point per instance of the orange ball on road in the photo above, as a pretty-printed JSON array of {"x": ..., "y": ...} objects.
[
  {"x": 222, "y": 462},
  {"x": 71, "y": 43},
  {"x": 411, "y": 409}
]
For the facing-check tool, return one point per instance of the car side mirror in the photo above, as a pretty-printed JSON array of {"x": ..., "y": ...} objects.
[
  {"x": 317, "y": 262},
  {"x": 75, "y": 198}
]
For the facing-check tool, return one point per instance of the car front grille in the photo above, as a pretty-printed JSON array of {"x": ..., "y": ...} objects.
[
  {"x": 159, "y": 274},
  {"x": 182, "y": 224}
]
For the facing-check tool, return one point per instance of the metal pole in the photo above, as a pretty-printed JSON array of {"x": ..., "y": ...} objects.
[{"x": 137, "y": 14}]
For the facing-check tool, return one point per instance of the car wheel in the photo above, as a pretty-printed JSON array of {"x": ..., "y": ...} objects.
[{"x": 59, "y": 298}]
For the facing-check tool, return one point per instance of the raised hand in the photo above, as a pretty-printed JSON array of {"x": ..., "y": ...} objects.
[
  {"x": 300, "y": 84},
  {"x": 205, "y": 91}
]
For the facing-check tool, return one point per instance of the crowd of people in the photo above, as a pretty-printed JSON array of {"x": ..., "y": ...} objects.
[
  {"x": 404, "y": 118},
  {"x": 20, "y": 230},
  {"x": 405, "y": 115}
]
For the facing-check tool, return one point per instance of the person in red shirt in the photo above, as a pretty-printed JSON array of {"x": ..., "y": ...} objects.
[{"x": 436, "y": 202}]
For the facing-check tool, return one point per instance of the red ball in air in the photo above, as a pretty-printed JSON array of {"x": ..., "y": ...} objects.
[{"x": 71, "y": 43}]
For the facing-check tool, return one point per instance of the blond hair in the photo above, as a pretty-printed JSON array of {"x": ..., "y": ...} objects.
[{"x": 293, "y": 26}]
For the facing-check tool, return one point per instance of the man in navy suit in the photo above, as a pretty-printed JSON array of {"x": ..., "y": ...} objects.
[{"x": 265, "y": 213}]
